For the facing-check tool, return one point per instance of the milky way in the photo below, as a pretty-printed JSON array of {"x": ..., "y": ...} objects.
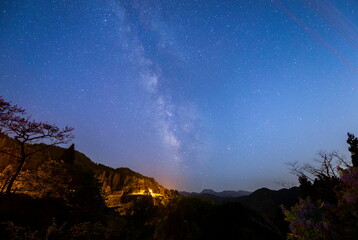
[{"x": 198, "y": 94}]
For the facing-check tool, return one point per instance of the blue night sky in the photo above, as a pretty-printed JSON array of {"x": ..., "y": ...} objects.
[{"x": 197, "y": 94}]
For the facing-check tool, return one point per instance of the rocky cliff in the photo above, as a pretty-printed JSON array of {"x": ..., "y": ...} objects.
[{"x": 123, "y": 182}]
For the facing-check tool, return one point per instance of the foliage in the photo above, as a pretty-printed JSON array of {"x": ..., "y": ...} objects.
[
  {"x": 50, "y": 180},
  {"x": 329, "y": 209},
  {"x": 308, "y": 221},
  {"x": 84, "y": 196}
]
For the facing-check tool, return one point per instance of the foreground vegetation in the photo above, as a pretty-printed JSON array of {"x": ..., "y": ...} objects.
[{"x": 328, "y": 208}]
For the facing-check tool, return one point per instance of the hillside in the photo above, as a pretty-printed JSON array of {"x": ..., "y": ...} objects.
[
  {"x": 267, "y": 201},
  {"x": 117, "y": 184},
  {"x": 120, "y": 185}
]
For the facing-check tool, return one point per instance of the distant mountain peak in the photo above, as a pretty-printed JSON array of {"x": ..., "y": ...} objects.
[
  {"x": 222, "y": 194},
  {"x": 208, "y": 191}
]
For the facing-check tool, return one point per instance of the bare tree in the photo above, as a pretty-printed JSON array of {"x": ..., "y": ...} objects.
[
  {"x": 18, "y": 125},
  {"x": 327, "y": 165}
]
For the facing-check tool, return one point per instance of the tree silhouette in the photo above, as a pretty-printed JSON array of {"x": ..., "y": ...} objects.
[
  {"x": 353, "y": 148},
  {"x": 26, "y": 133}
]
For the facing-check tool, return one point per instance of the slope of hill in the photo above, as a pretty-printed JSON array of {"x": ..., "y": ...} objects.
[
  {"x": 116, "y": 183},
  {"x": 266, "y": 200},
  {"x": 268, "y": 203}
]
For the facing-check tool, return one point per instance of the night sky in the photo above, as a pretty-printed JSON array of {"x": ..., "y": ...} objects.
[{"x": 197, "y": 94}]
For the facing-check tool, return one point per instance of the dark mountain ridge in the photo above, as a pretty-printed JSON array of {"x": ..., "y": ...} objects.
[{"x": 223, "y": 194}]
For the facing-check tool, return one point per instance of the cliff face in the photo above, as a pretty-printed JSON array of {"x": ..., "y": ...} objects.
[
  {"x": 121, "y": 183},
  {"x": 124, "y": 180}
]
